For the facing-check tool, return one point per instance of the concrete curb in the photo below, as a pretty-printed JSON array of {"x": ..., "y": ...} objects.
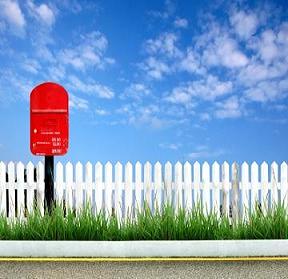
[{"x": 122, "y": 249}]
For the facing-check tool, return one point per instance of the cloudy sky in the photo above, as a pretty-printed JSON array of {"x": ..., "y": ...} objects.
[{"x": 150, "y": 80}]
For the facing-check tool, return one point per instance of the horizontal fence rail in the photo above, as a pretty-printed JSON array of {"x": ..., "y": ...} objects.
[{"x": 122, "y": 190}]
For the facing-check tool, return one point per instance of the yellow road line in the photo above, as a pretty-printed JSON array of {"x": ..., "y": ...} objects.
[{"x": 198, "y": 259}]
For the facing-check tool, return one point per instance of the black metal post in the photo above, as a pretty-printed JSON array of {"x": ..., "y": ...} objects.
[{"x": 49, "y": 183}]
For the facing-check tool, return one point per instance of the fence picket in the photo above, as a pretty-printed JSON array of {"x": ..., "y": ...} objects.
[
  {"x": 196, "y": 184},
  {"x": 148, "y": 184},
  {"x": 225, "y": 189},
  {"x": 59, "y": 183},
  {"x": 11, "y": 185},
  {"x": 264, "y": 187},
  {"x": 88, "y": 184},
  {"x": 178, "y": 186},
  {"x": 40, "y": 187},
  {"x": 254, "y": 186},
  {"x": 206, "y": 187},
  {"x": 118, "y": 191},
  {"x": 216, "y": 187},
  {"x": 30, "y": 187},
  {"x": 157, "y": 185},
  {"x": 138, "y": 186},
  {"x": 99, "y": 186},
  {"x": 20, "y": 190},
  {"x": 274, "y": 184},
  {"x": 168, "y": 183},
  {"x": 128, "y": 190},
  {"x": 235, "y": 192},
  {"x": 69, "y": 187},
  {"x": 108, "y": 189},
  {"x": 245, "y": 190},
  {"x": 79, "y": 187},
  {"x": 284, "y": 184},
  {"x": 3, "y": 189},
  {"x": 188, "y": 186}
]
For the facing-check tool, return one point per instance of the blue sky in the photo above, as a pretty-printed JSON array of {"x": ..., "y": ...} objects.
[{"x": 150, "y": 80}]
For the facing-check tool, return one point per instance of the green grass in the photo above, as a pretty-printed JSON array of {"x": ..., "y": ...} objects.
[{"x": 163, "y": 225}]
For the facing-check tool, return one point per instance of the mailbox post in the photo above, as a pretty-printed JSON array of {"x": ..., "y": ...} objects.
[{"x": 49, "y": 129}]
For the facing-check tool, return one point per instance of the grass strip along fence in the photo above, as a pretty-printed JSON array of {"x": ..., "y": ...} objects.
[{"x": 164, "y": 224}]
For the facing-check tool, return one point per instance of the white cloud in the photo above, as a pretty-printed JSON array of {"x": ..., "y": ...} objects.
[
  {"x": 245, "y": 24},
  {"x": 206, "y": 89},
  {"x": 91, "y": 88},
  {"x": 224, "y": 52},
  {"x": 43, "y": 13},
  {"x": 229, "y": 108},
  {"x": 181, "y": 23},
  {"x": 32, "y": 66},
  {"x": 136, "y": 91},
  {"x": 191, "y": 63},
  {"x": 77, "y": 103},
  {"x": 12, "y": 13},
  {"x": 101, "y": 112},
  {"x": 155, "y": 68},
  {"x": 203, "y": 152},
  {"x": 89, "y": 53},
  {"x": 171, "y": 146},
  {"x": 164, "y": 44}
]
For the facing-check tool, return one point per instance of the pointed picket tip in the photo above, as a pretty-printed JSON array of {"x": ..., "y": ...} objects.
[
  {"x": 20, "y": 165},
  {"x": 245, "y": 164},
  {"x": 69, "y": 165},
  {"x": 225, "y": 163},
  {"x": 59, "y": 165},
  {"x": 178, "y": 164},
  {"x": 128, "y": 164},
  {"x": 78, "y": 164},
  {"x": 283, "y": 164},
  {"x": 274, "y": 164},
  {"x": 254, "y": 164},
  {"x": 158, "y": 164},
  {"x": 118, "y": 164},
  {"x": 147, "y": 164},
  {"x": 216, "y": 164},
  {"x": 2, "y": 165},
  {"x": 88, "y": 164},
  {"x": 196, "y": 164},
  {"x": 205, "y": 164},
  {"x": 234, "y": 164},
  {"x": 98, "y": 164},
  {"x": 108, "y": 165},
  {"x": 30, "y": 165},
  {"x": 168, "y": 163},
  {"x": 40, "y": 164},
  {"x": 187, "y": 165}
]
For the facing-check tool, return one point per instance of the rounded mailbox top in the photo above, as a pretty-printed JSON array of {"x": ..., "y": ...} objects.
[{"x": 49, "y": 95}]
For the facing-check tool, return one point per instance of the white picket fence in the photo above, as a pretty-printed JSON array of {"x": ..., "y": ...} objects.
[{"x": 230, "y": 190}]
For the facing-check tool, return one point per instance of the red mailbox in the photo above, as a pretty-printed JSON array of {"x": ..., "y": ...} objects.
[{"x": 49, "y": 120}]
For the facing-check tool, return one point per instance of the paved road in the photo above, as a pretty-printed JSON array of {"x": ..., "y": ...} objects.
[{"x": 247, "y": 269}]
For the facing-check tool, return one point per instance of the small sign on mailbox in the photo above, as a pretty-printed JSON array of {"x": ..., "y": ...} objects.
[{"x": 49, "y": 122}]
